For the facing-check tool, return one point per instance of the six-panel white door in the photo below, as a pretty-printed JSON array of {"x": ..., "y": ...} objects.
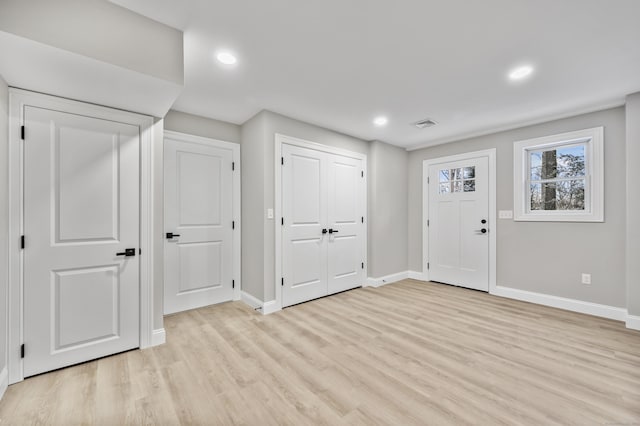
[
  {"x": 323, "y": 224},
  {"x": 458, "y": 223},
  {"x": 199, "y": 263},
  {"x": 81, "y": 208}
]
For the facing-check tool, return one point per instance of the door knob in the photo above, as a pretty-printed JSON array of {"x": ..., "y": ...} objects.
[
  {"x": 482, "y": 231},
  {"x": 333, "y": 231},
  {"x": 171, "y": 235},
  {"x": 127, "y": 252},
  {"x": 324, "y": 230}
]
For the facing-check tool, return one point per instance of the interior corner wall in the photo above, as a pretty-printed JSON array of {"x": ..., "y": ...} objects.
[
  {"x": 4, "y": 218},
  {"x": 387, "y": 217},
  {"x": 548, "y": 257},
  {"x": 202, "y": 126},
  {"x": 252, "y": 156},
  {"x": 633, "y": 204},
  {"x": 157, "y": 159}
]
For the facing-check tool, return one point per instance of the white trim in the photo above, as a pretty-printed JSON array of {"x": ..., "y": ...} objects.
[
  {"x": 605, "y": 311},
  {"x": 593, "y": 139},
  {"x": 602, "y": 106},
  {"x": 4, "y": 381},
  {"x": 250, "y": 300},
  {"x": 633, "y": 322},
  {"x": 158, "y": 337},
  {"x": 271, "y": 307},
  {"x": 282, "y": 139},
  {"x": 18, "y": 99},
  {"x": 236, "y": 194},
  {"x": 387, "y": 279},
  {"x": 493, "y": 225},
  {"x": 415, "y": 275}
]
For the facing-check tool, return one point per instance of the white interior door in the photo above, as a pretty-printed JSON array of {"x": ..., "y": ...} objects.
[
  {"x": 199, "y": 262},
  {"x": 322, "y": 224},
  {"x": 458, "y": 223},
  {"x": 346, "y": 220},
  {"x": 304, "y": 213},
  {"x": 81, "y": 208}
]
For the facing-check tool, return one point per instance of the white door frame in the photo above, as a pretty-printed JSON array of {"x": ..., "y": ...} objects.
[
  {"x": 18, "y": 99},
  {"x": 236, "y": 193},
  {"x": 490, "y": 154},
  {"x": 282, "y": 139}
]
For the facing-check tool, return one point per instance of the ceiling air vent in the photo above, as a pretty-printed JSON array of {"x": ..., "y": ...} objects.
[{"x": 425, "y": 123}]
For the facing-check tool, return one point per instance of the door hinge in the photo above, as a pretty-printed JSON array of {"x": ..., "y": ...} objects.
[
  {"x": 233, "y": 165},
  {"x": 362, "y": 219},
  {"x": 362, "y": 265},
  {"x": 22, "y": 242},
  {"x": 282, "y": 160},
  {"x": 362, "y": 173},
  {"x": 282, "y": 282},
  {"x": 22, "y": 132},
  {"x": 233, "y": 283},
  {"x": 139, "y": 251},
  {"x": 233, "y": 224},
  {"x": 282, "y": 221},
  {"x": 22, "y": 351},
  {"x": 427, "y": 222},
  {"x": 427, "y": 265},
  {"x": 428, "y": 179}
]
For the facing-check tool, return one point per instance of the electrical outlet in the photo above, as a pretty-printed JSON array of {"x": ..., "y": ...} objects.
[
  {"x": 505, "y": 214},
  {"x": 586, "y": 278}
]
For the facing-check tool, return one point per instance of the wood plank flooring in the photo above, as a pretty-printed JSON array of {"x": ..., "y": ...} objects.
[{"x": 403, "y": 354}]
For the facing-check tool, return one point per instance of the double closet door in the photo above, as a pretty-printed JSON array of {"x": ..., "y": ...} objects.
[{"x": 323, "y": 230}]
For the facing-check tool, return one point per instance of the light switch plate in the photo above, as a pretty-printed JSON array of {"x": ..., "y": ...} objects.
[
  {"x": 269, "y": 213},
  {"x": 505, "y": 214}
]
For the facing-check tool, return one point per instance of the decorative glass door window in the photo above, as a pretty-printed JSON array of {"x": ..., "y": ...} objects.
[{"x": 461, "y": 179}]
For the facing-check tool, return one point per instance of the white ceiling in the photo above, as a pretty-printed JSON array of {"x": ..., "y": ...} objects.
[{"x": 339, "y": 64}]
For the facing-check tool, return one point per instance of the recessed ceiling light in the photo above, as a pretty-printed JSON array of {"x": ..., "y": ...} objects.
[
  {"x": 226, "y": 58},
  {"x": 521, "y": 72},
  {"x": 380, "y": 121}
]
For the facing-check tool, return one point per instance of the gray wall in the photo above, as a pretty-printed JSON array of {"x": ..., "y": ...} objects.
[
  {"x": 387, "y": 210},
  {"x": 4, "y": 217},
  {"x": 633, "y": 204},
  {"x": 101, "y": 30},
  {"x": 546, "y": 257},
  {"x": 253, "y": 161},
  {"x": 201, "y": 126}
]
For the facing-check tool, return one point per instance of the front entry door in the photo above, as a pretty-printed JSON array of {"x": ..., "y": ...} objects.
[
  {"x": 81, "y": 209},
  {"x": 458, "y": 223},
  {"x": 199, "y": 225}
]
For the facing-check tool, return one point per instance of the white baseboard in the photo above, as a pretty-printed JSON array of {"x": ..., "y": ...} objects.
[
  {"x": 595, "y": 309},
  {"x": 250, "y": 300},
  {"x": 265, "y": 307},
  {"x": 158, "y": 337},
  {"x": 415, "y": 275},
  {"x": 4, "y": 381},
  {"x": 633, "y": 322},
  {"x": 388, "y": 279},
  {"x": 270, "y": 307}
]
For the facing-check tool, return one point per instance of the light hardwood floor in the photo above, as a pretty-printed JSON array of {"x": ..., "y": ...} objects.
[{"x": 406, "y": 353}]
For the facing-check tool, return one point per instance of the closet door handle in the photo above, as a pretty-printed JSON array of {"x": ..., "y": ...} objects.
[{"x": 333, "y": 231}]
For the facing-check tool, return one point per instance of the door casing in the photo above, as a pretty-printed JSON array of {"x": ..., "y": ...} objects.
[
  {"x": 490, "y": 154},
  {"x": 276, "y": 305},
  {"x": 18, "y": 99}
]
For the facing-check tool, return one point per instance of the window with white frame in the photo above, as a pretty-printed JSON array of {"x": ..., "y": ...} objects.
[{"x": 560, "y": 177}]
